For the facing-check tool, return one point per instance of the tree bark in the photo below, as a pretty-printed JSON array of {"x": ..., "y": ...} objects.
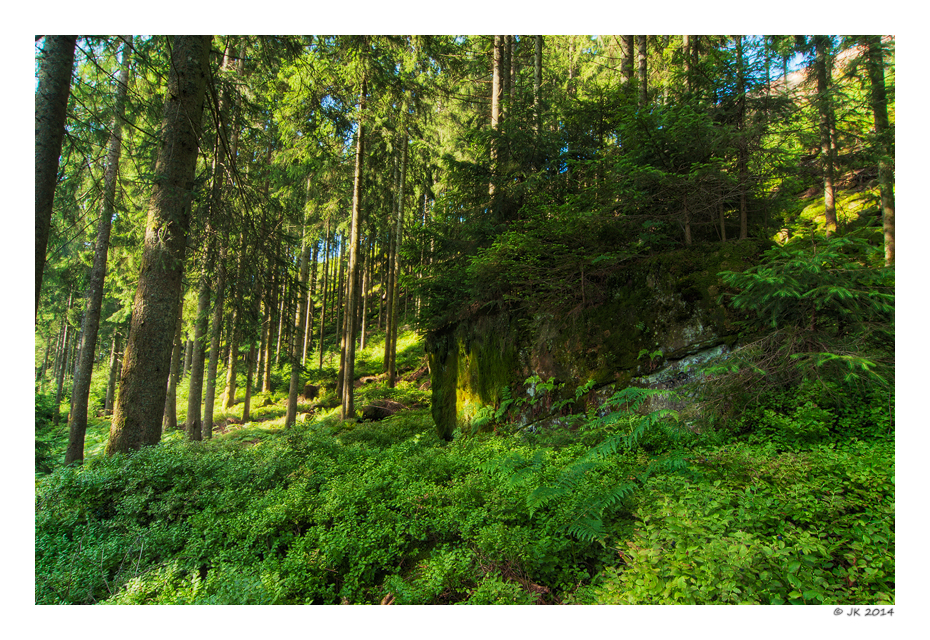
[
  {"x": 143, "y": 380},
  {"x": 395, "y": 287},
  {"x": 272, "y": 306},
  {"x": 496, "y": 88},
  {"x": 188, "y": 352},
  {"x": 876, "y": 65},
  {"x": 111, "y": 382},
  {"x": 825, "y": 109},
  {"x": 216, "y": 332},
  {"x": 537, "y": 81},
  {"x": 352, "y": 296},
  {"x": 246, "y": 405},
  {"x": 195, "y": 386},
  {"x": 326, "y": 262},
  {"x": 308, "y": 328},
  {"x": 64, "y": 364},
  {"x": 91, "y": 323},
  {"x": 366, "y": 285},
  {"x": 626, "y": 65},
  {"x": 686, "y": 58},
  {"x": 294, "y": 351},
  {"x": 742, "y": 143},
  {"x": 643, "y": 50},
  {"x": 170, "y": 420},
  {"x": 54, "y": 87}
]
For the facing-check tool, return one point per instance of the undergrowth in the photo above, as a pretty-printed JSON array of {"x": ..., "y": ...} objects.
[{"x": 791, "y": 503}]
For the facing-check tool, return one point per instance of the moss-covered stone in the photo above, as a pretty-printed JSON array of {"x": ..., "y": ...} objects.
[{"x": 657, "y": 310}]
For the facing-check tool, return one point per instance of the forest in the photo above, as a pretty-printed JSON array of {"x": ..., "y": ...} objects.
[{"x": 514, "y": 319}]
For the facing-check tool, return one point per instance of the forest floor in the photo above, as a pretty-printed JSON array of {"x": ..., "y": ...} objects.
[{"x": 374, "y": 512}]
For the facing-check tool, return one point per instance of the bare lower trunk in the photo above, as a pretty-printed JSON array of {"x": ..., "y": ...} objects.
[
  {"x": 366, "y": 285},
  {"x": 111, "y": 382},
  {"x": 216, "y": 331},
  {"x": 294, "y": 350},
  {"x": 143, "y": 380},
  {"x": 352, "y": 296},
  {"x": 195, "y": 388},
  {"x": 246, "y": 405},
  {"x": 395, "y": 293},
  {"x": 171, "y": 399},
  {"x": 91, "y": 323},
  {"x": 325, "y": 288}
]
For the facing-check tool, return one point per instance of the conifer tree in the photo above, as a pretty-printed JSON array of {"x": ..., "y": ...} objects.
[
  {"x": 143, "y": 380},
  {"x": 54, "y": 87},
  {"x": 91, "y": 320}
]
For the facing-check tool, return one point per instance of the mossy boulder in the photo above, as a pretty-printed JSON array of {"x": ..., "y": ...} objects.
[{"x": 650, "y": 313}]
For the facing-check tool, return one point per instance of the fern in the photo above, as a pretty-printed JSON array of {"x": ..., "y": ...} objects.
[
  {"x": 587, "y": 529},
  {"x": 575, "y": 493}
]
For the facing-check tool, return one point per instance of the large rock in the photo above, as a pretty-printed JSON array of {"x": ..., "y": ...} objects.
[{"x": 649, "y": 315}]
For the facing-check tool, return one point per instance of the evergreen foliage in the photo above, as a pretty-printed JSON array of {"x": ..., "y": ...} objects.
[{"x": 567, "y": 203}]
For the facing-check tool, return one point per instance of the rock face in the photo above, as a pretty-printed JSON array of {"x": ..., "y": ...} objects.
[{"x": 653, "y": 318}]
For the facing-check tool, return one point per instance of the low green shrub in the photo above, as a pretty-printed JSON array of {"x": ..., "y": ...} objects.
[{"x": 803, "y": 528}]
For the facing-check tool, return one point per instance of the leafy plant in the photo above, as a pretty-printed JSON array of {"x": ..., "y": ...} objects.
[{"x": 587, "y": 488}]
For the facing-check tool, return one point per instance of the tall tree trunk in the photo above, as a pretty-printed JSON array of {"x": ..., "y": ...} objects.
[
  {"x": 352, "y": 296},
  {"x": 272, "y": 306},
  {"x": 395, "y": 288},
  {"x": 338, "y": 329},
  {"x": 742, "y": 143},
  {"x": 366, "y": 285},
  {"x": 195, "y": 386},
  {"x": 277, "y": 350},
  {"x": 506, "y": 75},
  {"x": 111, "y": 381},
  {"x": 308, "y": 328},
  {"x": 627, "y": 55},
  {"x": 825, "y": 108},
  {"x": 216, "y": 333},
  {"x": 91, "y": 323},
  {"x": 496, "y": 88},
  {"x": 643, "y": 50},
  {"x": 326, "y": 262},
  {"x": 246, "y": 404},
  {"x": 54, "y": 87},
  {"x": 265, "y": 330},
  {"x": 884, "y": 135},
  {"x": 64, "y": 364},
  {"x": 686, "y": 58},
  {"x": 143, "y": 380},
  {"x": 235, "y": 328},
  {"x": 188, "y": 353},
  {"x": 537, "y": 82},
  {"x": 170, "y": 420},
  {"x": 295, "y": 341}
]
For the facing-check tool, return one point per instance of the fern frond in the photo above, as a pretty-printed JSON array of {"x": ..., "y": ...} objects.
[
  {"x": 541, "y": 496},
  {"x": 587, "y": 529},
  {"x": 610, "y": 498}
]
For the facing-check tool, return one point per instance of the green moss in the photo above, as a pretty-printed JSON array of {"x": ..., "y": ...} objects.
[{"x": 854, "y": 208}]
